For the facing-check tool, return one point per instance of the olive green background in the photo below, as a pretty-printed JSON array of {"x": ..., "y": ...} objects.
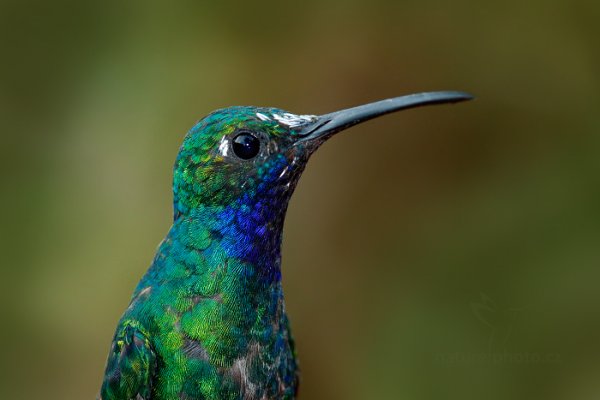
[{"x": 450, "y": 252}]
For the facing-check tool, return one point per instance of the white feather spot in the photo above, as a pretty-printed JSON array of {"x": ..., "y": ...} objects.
[
  {"x": 263, "y": 117},
  {"x": 285, "y": 170},
  {"x": 224, "y": 147},
  {"x": 293, "y": 120}
]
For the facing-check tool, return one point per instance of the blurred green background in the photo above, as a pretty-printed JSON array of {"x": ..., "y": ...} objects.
[{"x": 440, "y": 253}]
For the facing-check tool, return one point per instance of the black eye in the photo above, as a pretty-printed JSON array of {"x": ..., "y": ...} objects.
[{"x": 246, "y": 145}]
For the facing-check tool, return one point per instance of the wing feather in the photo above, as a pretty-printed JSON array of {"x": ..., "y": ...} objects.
[{"x": 131, "y": 365}]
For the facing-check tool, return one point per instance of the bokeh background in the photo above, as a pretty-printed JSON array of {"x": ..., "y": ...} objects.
[{"x": 440, "y": 253}]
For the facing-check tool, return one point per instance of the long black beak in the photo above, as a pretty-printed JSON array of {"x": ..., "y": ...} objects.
[{"x": 328, "y": 124}]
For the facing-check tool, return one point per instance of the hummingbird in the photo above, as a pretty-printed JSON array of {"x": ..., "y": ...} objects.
[{"x": 208, "y": 320}]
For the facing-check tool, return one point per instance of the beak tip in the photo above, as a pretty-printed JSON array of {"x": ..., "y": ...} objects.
[
  {"x": 448, "y": 97},
  {"x": 467, "y": 96}
]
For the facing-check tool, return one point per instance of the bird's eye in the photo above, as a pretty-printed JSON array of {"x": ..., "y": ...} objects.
[{"x": 246, "y": 145}]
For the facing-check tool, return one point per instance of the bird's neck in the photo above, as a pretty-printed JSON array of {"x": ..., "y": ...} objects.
[{"x": 247, "y": 232}]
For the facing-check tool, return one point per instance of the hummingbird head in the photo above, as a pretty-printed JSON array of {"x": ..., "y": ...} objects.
[
  {"x": 241, "y": 155},
  {"x": 253, "y": 157}
]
